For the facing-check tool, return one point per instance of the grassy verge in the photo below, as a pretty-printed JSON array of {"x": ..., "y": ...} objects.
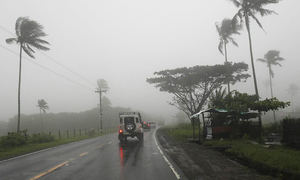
[
  {"x": 277, "y": 160},
  {"x": 6, "y": 153},
  {"x": 180, "y": 132}
]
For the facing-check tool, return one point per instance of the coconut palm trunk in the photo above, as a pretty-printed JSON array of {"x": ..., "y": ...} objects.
[
  {"x": 271, "y": 88},
  {"x": 226, "y": 60},
  {"x": 19, "y": 89},
  {"x": 42, "y": 123},
  {"x": 251, "y": 55},
  {"x": 253, "y": 70}
]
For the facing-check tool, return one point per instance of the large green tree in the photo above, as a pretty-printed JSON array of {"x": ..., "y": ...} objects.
[
  {"x": 225, "y": 31},
  {"x": 28, "y": 36},
  {"x": 271, "y": 58},
  {"x": 191, "y": 87}
]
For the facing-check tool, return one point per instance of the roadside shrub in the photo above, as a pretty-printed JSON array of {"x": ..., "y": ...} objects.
[
  {"x": 41, "y": 138},
  {"x": 13, "y": 139}
]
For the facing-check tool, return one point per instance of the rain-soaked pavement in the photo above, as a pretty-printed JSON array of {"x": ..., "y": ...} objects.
[{"x": 98, "y": 158}]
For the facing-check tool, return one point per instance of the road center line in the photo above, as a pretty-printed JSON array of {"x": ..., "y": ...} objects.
[
  {"x": 83, "y": 154},
  {"x": 49, "y": 170},
  {"x": 166, "y": 159}
]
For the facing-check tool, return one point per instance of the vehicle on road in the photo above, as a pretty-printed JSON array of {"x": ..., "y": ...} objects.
[
  {"x": 152, "y": 125},
  {"x": 146, "y": 125},
  {"x": 131, "y": 125}
]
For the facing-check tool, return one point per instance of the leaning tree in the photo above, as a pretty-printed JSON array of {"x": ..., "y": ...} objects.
[
  {"x": 225, "y": 31},
  {"x": 28, "y": 36},
  {"x": 247, "y": 10}
]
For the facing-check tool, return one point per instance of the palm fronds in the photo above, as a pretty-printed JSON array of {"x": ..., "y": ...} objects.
[{"x": 28, "y": 35}]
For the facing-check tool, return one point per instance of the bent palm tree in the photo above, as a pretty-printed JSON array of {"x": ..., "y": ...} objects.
[
  {"x": 248, "y": 10},
  {"x": 271, "y": 58},
  {"x": 225, "y": 31},
  {"x": 28, "y": 36},
  {"x": 43, "y": 106}
]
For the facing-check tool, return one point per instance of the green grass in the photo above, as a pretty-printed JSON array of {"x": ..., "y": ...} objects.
[
  {"x": 279, "y": 161},
  {"x": 181, "y": 132},
  {"x": 6, "y": 153},
  {"x": 276, "y": 160}
]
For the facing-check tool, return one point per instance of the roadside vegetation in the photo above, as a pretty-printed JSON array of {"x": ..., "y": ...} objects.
[
  {"x": 179, "y": 132},
  {"x": 279, "y": 161},
  {"x": 15, "y": 144}
]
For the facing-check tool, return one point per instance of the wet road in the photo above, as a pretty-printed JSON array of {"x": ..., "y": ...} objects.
[{"x": 98, "y": 158}]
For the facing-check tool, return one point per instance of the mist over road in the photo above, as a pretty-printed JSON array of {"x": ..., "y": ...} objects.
[{"x": 98, "y": 158}]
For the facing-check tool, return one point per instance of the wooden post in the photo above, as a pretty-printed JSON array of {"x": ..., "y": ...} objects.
[
  {"x": 68, "y": 133},
  {"x": 59, "y": 134}
]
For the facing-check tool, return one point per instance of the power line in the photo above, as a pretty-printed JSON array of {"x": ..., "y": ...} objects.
[
  {"x": 67, "y": 68},
  {"x": 48, "y": 69},
  {"x": 55, "y": 61}
]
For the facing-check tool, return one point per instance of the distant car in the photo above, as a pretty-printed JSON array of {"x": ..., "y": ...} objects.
[
  {"x": 146, "y": 125},
  {"x": 130, "y": 126},
  {"x": 152, "y": 124}
]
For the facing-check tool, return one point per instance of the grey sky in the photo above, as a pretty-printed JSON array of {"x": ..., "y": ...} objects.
[{"x": 124, "y": 42}]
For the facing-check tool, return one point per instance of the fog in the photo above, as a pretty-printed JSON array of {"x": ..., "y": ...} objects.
[{"x": 125, "y": 42}]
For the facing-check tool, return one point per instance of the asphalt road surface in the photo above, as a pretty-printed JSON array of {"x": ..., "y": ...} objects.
[{"x": 98, "y": 158}]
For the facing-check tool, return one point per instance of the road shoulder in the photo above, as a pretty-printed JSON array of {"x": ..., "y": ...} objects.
[{"x": 199, "y": 162}]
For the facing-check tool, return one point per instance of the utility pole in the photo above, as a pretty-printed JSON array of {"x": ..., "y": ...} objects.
[{"x": 100, "y": 91}]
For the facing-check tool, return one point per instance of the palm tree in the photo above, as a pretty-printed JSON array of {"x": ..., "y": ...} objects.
[
  {"x": 271, "y": 58},
  {"x": 43, "y": 106},
  {"x": 225, "y": 31},
  {"x": 248, "y": 10},
  {"x": 28, "y": 36}
]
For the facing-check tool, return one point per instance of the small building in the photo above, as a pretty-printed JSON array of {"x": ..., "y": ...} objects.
[{"x": 221, "y": 123}]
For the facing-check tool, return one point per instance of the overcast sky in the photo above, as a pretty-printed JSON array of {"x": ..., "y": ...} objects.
[{"x": 125, "y": 41}]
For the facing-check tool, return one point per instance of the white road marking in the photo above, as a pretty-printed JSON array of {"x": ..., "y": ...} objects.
[{"x": 166, "y": 159}]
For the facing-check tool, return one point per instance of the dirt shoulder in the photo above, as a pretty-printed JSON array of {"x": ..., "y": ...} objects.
[{"x": 200, "y": 162}]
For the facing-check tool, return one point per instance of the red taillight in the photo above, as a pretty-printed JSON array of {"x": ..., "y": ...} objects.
[{"x": 120, "y": 131}]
